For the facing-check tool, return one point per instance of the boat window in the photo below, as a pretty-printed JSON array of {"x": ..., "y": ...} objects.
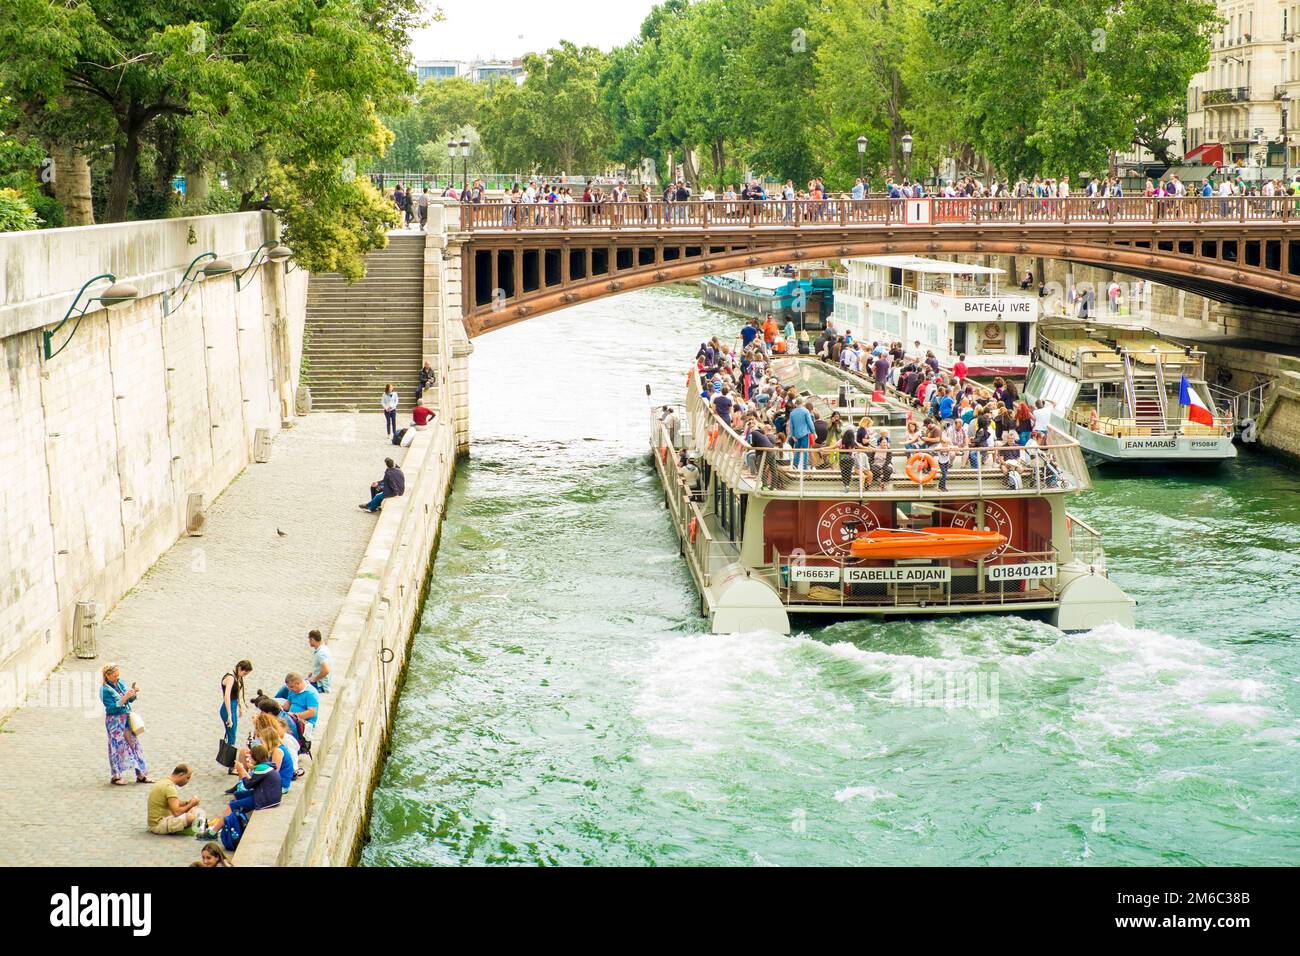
[{"x": 959, "y": 336}]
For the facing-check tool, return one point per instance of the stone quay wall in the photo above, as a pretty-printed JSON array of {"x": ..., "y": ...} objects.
[{"x": 102, "y": 445}]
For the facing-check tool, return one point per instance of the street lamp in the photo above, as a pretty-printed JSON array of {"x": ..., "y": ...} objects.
[
  {"x": 116, "y": 294},
  {"x": 464, "y": 152},
  {"x": 907, "y": 155},
  {"x": 1284, "y": 99},
  {"x": 862, "y": 154},
  {"x": 451, "y": 162}
]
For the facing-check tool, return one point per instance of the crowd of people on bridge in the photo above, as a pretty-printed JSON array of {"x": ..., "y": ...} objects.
[{"x": 953, "y": 419}]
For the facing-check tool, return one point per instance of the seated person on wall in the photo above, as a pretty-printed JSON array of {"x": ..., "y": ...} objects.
[
  {"x": 300, "y": 704},
  {"x": 1010, "y": 460},
  {"x": 167, "y": 813},
  {"x": 261, "y": 791},
  {"x": 427, "y": 379},
  {"x": 421, "y": 416},
  {"x": 392, "y": 485}
]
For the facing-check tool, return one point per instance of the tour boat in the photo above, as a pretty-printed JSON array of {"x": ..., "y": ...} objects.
[
  {"x": 950, "y": 308},
  {"x": 804, "y": 296},
  {"x": 940, "y": 542},
  {"x": 1128, "y": 394},
  {"x": 767, "y": 540}
]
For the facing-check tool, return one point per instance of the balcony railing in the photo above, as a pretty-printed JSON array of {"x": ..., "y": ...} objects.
[{"x": 1231, "y": 94}]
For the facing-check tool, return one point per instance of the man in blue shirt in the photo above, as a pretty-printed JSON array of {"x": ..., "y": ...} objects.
[
  {"x": 748, "y": 333},
  {"x": 300, "y": 703},
  {"x": 722, "y": 403},
  {"x": 801, "y": 430}
]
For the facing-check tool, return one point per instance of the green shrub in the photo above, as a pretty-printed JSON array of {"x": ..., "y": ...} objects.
[
  {"x": 16, "y": 214},
  {"x": 49, "y": 209}
]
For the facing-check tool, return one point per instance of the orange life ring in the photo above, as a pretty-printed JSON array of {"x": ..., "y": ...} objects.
[
  {"x": 713, "y": 435},
  {"x": 692, "y": 527},
  {"x": 914, "y": 472}
]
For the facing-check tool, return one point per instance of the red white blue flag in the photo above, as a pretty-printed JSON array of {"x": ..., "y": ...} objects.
[{"x": 1197, "y": 410}]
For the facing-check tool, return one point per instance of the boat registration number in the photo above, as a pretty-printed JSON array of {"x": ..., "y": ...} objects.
[{"x": 1021, "y": 572}]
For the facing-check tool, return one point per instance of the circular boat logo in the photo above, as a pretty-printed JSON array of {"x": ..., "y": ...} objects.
[
  {"x": 840, "y": 524},
  {"x": 995, "y": 519}
]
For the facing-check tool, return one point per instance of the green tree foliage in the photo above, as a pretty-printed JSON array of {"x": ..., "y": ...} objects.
[
  {"x": 440, "y": 109},
  {"x": 552, "y": 122},
  {"x": 1053, "y": 87},
  {"x": 16, "y": 213},
  {"x": 284, "y": 96}
]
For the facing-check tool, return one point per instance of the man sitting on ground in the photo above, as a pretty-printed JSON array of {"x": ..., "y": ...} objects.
[{"x": 167, "y": 814}]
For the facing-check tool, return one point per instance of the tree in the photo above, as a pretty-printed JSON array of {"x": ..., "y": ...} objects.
[
  {"x": 552, "y": 121},
  {"x": 1049, "y": 87},
  {"x": 235, "y": 82},
  {"x": 441, "y": 108}
]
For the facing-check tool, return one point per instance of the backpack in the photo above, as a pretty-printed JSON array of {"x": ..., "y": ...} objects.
[{"x": 233, "y": 830}]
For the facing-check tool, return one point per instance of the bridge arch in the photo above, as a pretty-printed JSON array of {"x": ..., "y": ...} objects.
[{"x": 1268, "y": 283}]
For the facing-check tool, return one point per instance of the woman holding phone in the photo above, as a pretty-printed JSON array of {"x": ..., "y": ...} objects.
[{"x": 124, "y": 753}]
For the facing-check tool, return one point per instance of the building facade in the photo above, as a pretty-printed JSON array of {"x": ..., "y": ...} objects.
[
  {"x": 1236, "y": 106},
  {"x": 480, "y": 71}
]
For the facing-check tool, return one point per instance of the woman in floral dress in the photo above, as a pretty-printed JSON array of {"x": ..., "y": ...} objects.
[{"x": 124, "y": 753}]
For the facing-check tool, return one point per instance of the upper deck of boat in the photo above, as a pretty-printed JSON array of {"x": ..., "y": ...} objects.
[
  {"x": 1098, "y": 353},
  {"x": 1054, "y": 468}
]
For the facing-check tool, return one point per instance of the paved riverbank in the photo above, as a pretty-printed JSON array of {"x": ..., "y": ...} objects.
[{"x": 240, "y": 591}]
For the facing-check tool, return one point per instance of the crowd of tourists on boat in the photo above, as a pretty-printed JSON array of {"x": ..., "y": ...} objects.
[{"x": 952, "y": 421}]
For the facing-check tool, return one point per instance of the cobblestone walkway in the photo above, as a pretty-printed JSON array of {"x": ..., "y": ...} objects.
[{"x": 240, "y": 591}]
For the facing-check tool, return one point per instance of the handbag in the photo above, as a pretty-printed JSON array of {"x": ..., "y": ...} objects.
[
  {"x": 226, "y": 754},
  {"x": 135, "y": 723}
]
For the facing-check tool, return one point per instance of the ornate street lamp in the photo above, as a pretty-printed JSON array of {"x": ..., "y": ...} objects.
[
  {"x": 119, "y": 293},
  {"x": 907, "y": 154},
  {"x": 464, "y": 153},
  {"x": 451, "y": 163},
  {"x": 862, "y": 154}
]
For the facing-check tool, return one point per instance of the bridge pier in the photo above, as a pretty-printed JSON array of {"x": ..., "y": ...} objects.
[{"x": 445, "y": 344}]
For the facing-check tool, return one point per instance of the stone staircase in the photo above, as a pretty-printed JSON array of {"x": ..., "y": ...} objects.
[{"x": 364, "y": 336}]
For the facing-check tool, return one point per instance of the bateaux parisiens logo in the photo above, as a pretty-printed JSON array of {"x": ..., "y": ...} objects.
[
  {"x": 995, "y": 519},
  {"x": 840, "y": 524},
  {"x": 76, "y": 909}
]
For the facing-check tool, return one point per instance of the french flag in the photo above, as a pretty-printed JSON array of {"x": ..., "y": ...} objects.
[{"x": 1197, "y": 410}]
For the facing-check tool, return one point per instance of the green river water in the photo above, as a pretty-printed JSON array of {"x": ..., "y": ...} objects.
[{"x": 565, "y": 705}]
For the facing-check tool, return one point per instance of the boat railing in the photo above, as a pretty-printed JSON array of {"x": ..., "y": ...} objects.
[
  {"x": 702, "y": 549},
  {"x": 955, "y": 583},
  {"x": 1085, "y": 543},
  {"x": 1241, "y": 406},
  {"x": 1121, "y": 427},
  {"x": 831, "y": 472}
]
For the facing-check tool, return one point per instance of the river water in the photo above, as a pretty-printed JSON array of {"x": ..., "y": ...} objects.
[{"x": 565, "y": 705}]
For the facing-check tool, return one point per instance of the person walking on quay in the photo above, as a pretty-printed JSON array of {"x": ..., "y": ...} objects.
[
  {"x": 390, "y": 409},
  {"x": 124, "y": 753},
  {"x": 424, "y": 207},
  {"x": 168, "y": 814},
  {"x": 232, "y": 700},
  {"x": 393, "y": 485}
]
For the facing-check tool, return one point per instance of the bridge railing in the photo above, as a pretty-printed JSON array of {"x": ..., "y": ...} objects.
[{"x": 657, "y": 215}]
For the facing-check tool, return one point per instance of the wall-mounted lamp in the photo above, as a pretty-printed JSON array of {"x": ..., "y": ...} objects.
[
  {"x": 271, "y": 251},
  {"x": 213, "y": 267},
  {"x": 116, "y": 294}
]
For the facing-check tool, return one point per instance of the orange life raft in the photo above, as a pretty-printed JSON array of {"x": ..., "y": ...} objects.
[{"x": 885, "y": 544}]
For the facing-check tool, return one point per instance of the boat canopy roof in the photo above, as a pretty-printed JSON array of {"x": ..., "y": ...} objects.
[{"x": 929, "y": 266}]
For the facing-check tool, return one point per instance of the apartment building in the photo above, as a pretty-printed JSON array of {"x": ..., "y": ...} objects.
[{"x": 1236, "y": 107}]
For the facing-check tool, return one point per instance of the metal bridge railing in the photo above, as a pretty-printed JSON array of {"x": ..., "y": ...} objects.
[{"x": 837, "y": 213}]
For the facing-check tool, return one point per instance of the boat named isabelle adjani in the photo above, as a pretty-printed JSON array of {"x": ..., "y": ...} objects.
[{"x": 766, "y": 540}]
